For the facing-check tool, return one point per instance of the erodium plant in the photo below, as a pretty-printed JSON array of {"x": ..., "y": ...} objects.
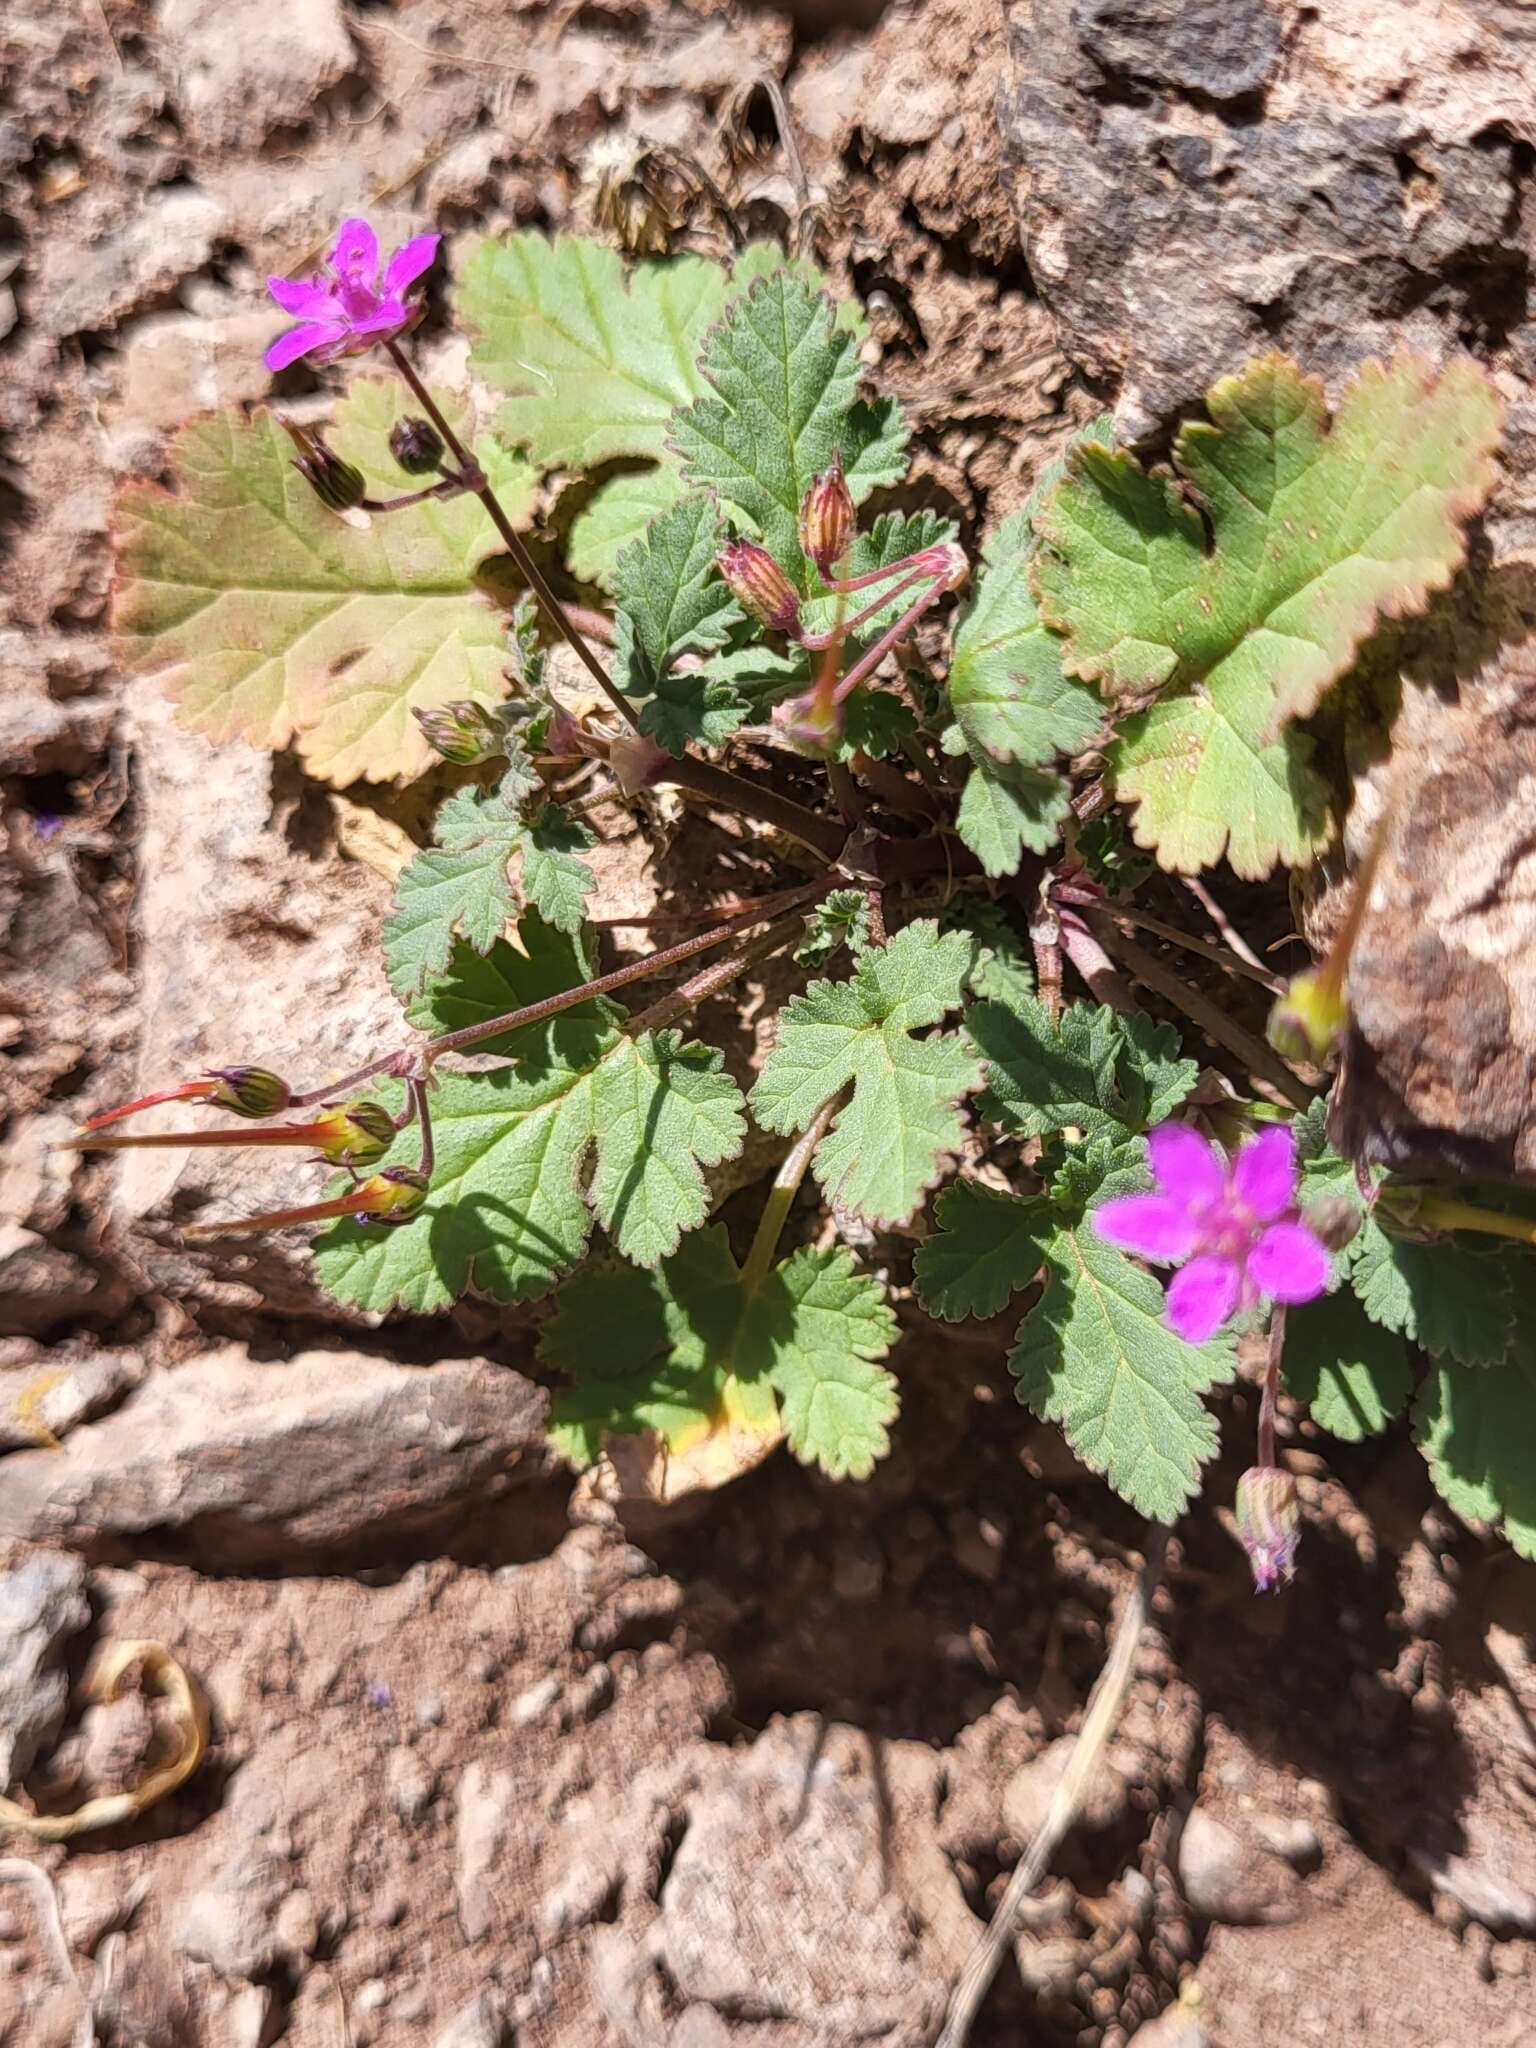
[{"x": 929, "y": 790}]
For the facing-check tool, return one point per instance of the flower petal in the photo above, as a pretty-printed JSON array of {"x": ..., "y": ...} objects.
[
  {"x": 1264, "y": 1173},
  {"x": 1153, "y": 1225},
  {"x": 356, "y": 253},
  {"x": 1201, "y": 1296},
  {"x": 301, "y": 341},
  {"x": 1289, "y": 1263},
  {"x": 409, "y": 261},
  {"x": 1185, "y": 1166},
  {"x": 304, "y": 297}
]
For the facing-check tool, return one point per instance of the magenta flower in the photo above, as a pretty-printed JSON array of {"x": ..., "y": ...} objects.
[
  {"x": 346, "y": 308},
  {"x": 1234, "y": 1223}
]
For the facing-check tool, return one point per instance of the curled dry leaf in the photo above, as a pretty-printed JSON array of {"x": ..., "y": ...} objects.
[{"x": 161, "y": 1674}]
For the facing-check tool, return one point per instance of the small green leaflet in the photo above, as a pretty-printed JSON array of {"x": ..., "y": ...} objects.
[
  {"x": 1317, "y": 534},
  {"x": 841, "y": 919},
  {"x": 692, "y": 1347},
  {"x": 462, "y": 886},
  {"x": 1006, "y": 811},
  {"x": 271, "y": 616},
  {"x": 1093, "y": 1070},
  {"x": 1097, "y": 1357},
  {"x": 1010, "y": 698},
  {"x": 785, "y": 380},
  {"x": 888, "y": 1144},
  {"x": 1001, "y": 960},
  {"x": 987, "y": 1246},
  {"x": 671, "y": 600},
  {"x": 1352, "y": 1375},
  {"x": 1478, "y": 1432}
]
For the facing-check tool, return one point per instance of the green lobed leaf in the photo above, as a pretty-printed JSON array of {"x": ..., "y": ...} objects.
[
  {"x": 784, "y": 380},
  {"x": 1316, "y": 534},
  {"x": 986, "y": 1247},
  {"x": 1002, "y": 962},
  {"x": 463, "y": 887},
  {"x": 271, "y": 616},
  {"x": 890, "y": 1140},
  {"x": 608, "y": 1126},
  {"x": 616, "y": 515},
  {"x": 1097, "y": 1357},
  {"x": 1453, "y": 1299},
  {"x": 691, "y": 1347},
  {"x": 1353, "y": 1376},
  {"x": 1091, "y": 1070},
  {"x": 474, "y": 988},
  {"x": 841, "y": 919},
  {"x": 670, "y": 595},
  {"x": 1478, "y": 1433},
  {"x": 1005, "y": 812},
  {"x": 1010, "y": 699}
]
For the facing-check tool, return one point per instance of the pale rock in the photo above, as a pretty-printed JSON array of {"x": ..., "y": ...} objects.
[
  {"x": 1028, "y": 1794},
  {"x": 176, "y": 364},
  {"x": 53, "y": 1394},
  {"x": 1227, "y": 1879},
  {"x": 1289, "y": 1837},
  {"x": 911, "y": 101},
  {"x": 42, "y": 1605},
  {"x": 410, "y": 1784},
  {"x": 168, "y": 238},
  {"x": 482, "y": 2023},
  {"x": 482, "y": 1824},
  {"x": 242, "y": 72},
  {"x": 266, "y": 1462},
  {"x": 42, "y": 1285}
]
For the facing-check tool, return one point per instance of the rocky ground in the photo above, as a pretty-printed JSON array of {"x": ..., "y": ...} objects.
[{"x": 489, "y": 1762}]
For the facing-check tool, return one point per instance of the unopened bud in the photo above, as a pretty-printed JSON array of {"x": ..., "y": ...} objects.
[
  {"x": 812, "y": 723},
  {"x": 462, "y": 732},
  {"x": 416, "y": 445},
  {"x": 826, "y": 518},
  {"x": 248, "y": 1091},
  {"x": 354, "y": 1133},
  {"x": 755, "y": 580},
  {"x": 1309, "y": 1021},
  {"x": 334, "y": 482},
  {"x": 1333, "y": 1219},
  {"x": 393, "y": 1196},
  {"x": 637, "y": 762},
  {"x": 946, "y": 560},
  {"x": 1268, "y": 1523}
]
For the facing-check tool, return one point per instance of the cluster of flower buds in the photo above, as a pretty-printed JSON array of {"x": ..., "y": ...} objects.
[
  {"x": 416, "y": 445},
  {"x": 1268, "y": 1516},
  {"x": 463, "y": 732},
  {"x": 334, "y": 482}
]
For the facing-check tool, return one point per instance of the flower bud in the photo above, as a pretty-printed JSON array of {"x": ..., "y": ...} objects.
[
  {"x": 812, "y": 723},
  {"x": 1268, "y": 1523},
  {"x": 1333, "y": 1219},
  {"x": 826, "y": 518},
  {"x": 946, "y": 560},
  {"x": 354, "y": 1133},
  {"x": 248, "y": 1091},
  {"x": 755, "y": 580},
  {"x": 1309, "y": 1021},
  {"x": 637, "y": 762},
  {"x": 462, "y": 732},
  {"x": 334, "y": 482},
  {"x": 393, "y": 1196},
  {"x": 416, "y": 445}
]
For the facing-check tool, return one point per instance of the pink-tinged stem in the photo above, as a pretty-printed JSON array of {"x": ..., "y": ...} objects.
[
  {"x": 354, "y": 1204},
  {"x": 870, "y": 661},
  {"x": 1271, "y": 1393},
  {"x": 188, "y": 1091},
  {"x": 816, "y": 641},
  {"x": 391, "y": 1063},
  {"x": 750, "y": 800},
  {"x": 423, "y": 1112},
  {"x": 846, "y": 585},
  {"x": 191, "y": 1141},
  {"x": 563, "y": 623}
]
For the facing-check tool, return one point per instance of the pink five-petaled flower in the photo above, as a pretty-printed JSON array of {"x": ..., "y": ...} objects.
[
  {"x": 346, "y": 308},
  {"x": 1235, "y": 1224}
]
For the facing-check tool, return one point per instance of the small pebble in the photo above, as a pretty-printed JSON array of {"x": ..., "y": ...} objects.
[
  {"x": 370, "y": 1997},
  {"x": 529, "y": 1705}
]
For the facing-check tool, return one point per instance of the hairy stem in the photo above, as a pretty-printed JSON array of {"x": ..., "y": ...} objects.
[
  {"x": 1233, "y": 962},
  {"x": 718, "y": 975},
  {"x": 1444, "y": 1212},
  {"x": 1094, "y": 965},
  {"x": 1271, "y": 1393},
  {"x": 751, "y": 800},
  {"x": 558, "y": 616},
  {"x": 786, "y": 1185}
]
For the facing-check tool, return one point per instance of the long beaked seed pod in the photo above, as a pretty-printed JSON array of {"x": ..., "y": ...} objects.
[
  {"x": 248, "y": 1091},
  {"x": 391, "y": 1197}
]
